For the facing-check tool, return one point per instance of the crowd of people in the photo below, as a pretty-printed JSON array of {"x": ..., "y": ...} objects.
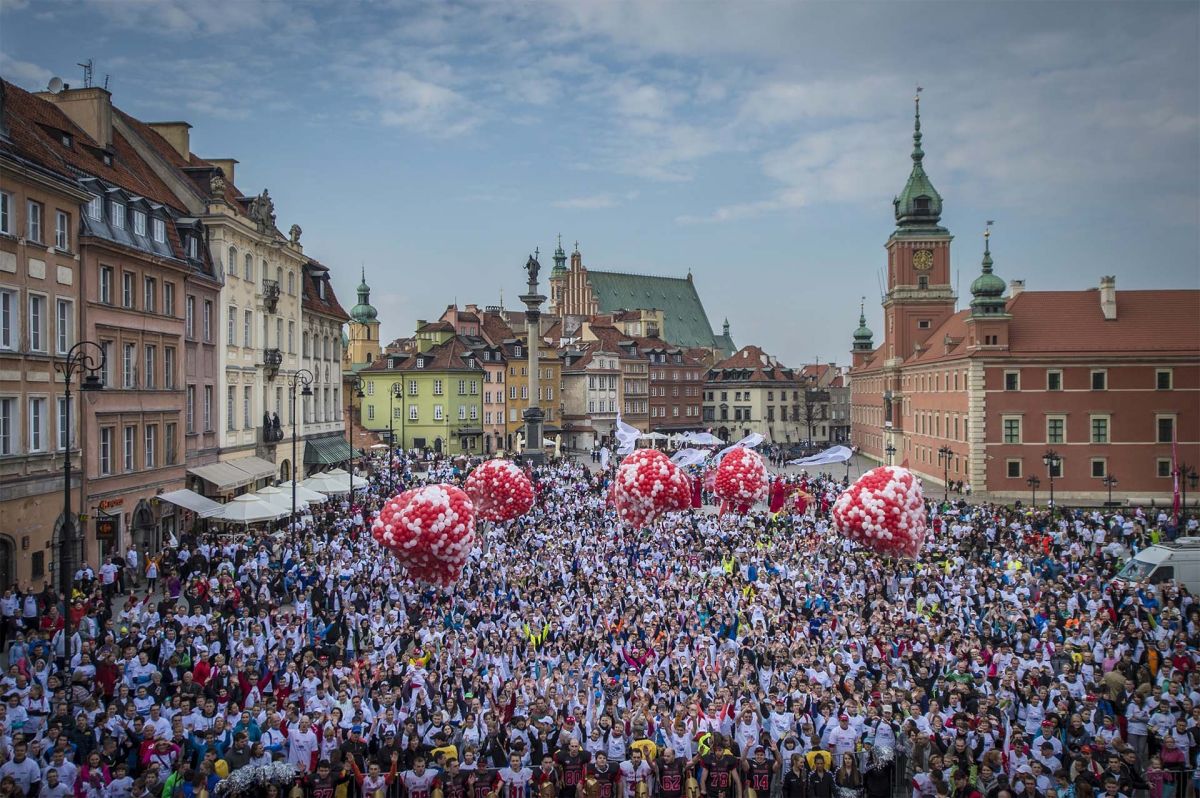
[{"x": 757, "y": 656}]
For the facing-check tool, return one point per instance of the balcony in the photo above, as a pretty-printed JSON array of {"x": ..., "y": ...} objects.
[
  {"x": 272, "y": 360},
  {"x": 271, "y": 433},
  {"x": 270, "y": 293}
]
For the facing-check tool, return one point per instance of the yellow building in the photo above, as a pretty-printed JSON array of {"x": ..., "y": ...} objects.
[{"x": 549, "y": 390}]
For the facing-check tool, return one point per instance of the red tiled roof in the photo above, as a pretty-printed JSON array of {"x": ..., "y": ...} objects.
[
  {"x": 329, "y": 306},
  {"x": 494, "y": 328},
  {"x": 1072, "y": 322},
  {"x": 447, "y": 356},
  {"x": 762, "y": 367}
]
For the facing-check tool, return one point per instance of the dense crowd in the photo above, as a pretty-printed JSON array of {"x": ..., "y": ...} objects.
[{"x": 730, "y": 657}]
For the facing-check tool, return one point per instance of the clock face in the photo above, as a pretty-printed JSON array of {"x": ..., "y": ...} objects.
[{"x": 923, "y": 260}]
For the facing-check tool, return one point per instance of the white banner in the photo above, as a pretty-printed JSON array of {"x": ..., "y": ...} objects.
[{"x": 834, "y": 454}]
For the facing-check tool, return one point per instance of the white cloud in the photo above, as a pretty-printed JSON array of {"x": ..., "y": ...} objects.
[
  {"x": 28, "y": 75},
  {"x": 187, "y": 18},
  {"x": 404, "y": 100},
  {"x": 595, "y": 201}
]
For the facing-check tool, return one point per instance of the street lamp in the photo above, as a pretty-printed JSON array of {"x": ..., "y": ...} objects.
[
  {"x": 88, "y": 359},
  {"x": 1185, "y": 474},
  {"x": 396, "y": 393},
  {"x": 891, "y": 450},
  {"x": 1109, "y": 481},
  {"x": 944, "y": 455},
  {"x": 356, "y": 387},
  {"x": 1052, "y": 461},
  {"x": 1033, "y": 483},
  {"x": 301, "y": 379}
]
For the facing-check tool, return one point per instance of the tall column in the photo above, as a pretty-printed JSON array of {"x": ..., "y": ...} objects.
[{"x": 533, "y": 415}]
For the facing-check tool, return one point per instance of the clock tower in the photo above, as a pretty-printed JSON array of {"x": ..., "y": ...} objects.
[{"x": 919, "y": 295}]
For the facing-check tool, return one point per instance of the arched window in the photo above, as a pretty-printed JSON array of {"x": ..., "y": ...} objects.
[
  {"x": 231, "y": 265},
  {"x": 249, "y": 273},
  {"x": 291, "y": 283},
  {"x": 279, "y": 274},
  {"x": 305, "y": 344}
]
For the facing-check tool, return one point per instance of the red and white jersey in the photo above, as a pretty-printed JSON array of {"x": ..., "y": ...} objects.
[
  {"x": 418, "y": 786},
  {"x": 631, "y": 777},
  {"x": 514, "y": 783}
]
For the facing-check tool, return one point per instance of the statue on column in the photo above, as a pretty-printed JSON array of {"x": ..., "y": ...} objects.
[{"x": 532, "y": 267}]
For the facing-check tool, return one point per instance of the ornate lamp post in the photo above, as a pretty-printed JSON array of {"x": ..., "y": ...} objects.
[
  {"x": 1185, "y": 474},
  {"x": 356, "y": 387},
  {"x": 302, "y": 379},
  {"x": 944, "y": 455},
  {"x": 397, "y": 392},
  {"x": 1052, "y": 461},
  {"x": 1109, "y": 481},
  {"x": 86, "y": 358},
  {"x": 891, "y": 451},
  {"x": 1033, "y": 483}
]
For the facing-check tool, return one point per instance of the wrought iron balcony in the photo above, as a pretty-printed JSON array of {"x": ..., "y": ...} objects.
[
  {"x": 270, "y": 292},
  {"x": 271, "y": 434},
  {"x": 272, "y": 360}
]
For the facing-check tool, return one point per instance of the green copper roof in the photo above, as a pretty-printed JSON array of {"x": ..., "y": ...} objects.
[
  {"x": 684, "y": 318},
  {"x": 364, "y": 312},
  {"x": 560, "y": 258},
  {"x": 919, "y": 204},
  {"x": 863, "y": 335},
  {"x": 987, "y": 289}
]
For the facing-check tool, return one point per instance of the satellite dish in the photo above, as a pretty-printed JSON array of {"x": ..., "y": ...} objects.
[{"x": 56, "y": 85}]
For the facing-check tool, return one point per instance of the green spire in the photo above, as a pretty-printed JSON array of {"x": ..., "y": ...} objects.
[
  {"x": 988, "y": 289},
  {"x": 919, "y": 204},
  {"x": 560, "y": 258},
  {"x": 364, "y": 312},
  {"x": 863, "y": 335}
]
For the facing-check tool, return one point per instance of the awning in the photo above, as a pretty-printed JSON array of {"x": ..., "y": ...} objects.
[
  {"x": 327, "y": 450},
  {"x": 190, "y": 500},
  {"x": 234, "y": 473}
]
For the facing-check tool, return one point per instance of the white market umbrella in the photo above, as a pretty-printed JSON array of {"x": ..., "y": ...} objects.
[
  {"x": 250, "y": 509},
  {"x": 341, "y": 473},
  {"x": 277, "y": 497},
  {"x": 379, "y": 446},
  {"x": 324, "y": 483},
  {"x": 702, "y": 438},
  {"x": 302, "y": 494}
]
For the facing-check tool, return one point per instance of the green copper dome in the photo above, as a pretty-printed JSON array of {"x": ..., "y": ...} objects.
[
  {"x": 364, "y": 312},
  {"x": 560, "y": 259},
  {"x": 919, "y": 204},
  {"x": 863, "y": 335},
  {"x": 987, "y": 289}
]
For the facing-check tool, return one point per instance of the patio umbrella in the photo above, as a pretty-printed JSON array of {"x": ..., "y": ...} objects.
[
  {"x": 302, "y": 494},
  {"x": 250, "y": 509},
  {"x": 324, "y": 483},
  {"x": 343, "y": 474},
  {"x": 702, "y": 438},
  {"x": 278, "y": 497}
]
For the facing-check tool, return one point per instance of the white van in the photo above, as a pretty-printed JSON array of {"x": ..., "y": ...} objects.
[{"x": 1162, "y": 562}]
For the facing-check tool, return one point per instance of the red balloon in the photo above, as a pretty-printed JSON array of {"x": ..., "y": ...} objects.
[
  {"x": 500, "y": 490},
  {"x": 884, "y": 510},
  {"x": 741, "y": 479},
  {"x": 648, "y": 484},
  {"x": 431, "y": 530}
]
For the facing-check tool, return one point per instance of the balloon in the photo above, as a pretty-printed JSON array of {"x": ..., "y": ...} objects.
[
  {"x": 500, "y": 490},
  {"x": 884, "y": 510},
  {"x": 647, "y": 484},
  {"x": 741, "y": 480},
  {"x": 431, "y": 530}
]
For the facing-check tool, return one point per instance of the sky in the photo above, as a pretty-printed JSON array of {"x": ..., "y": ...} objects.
[{"x": 758, "y": 144}]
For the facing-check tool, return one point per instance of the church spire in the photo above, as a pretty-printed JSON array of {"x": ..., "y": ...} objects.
[
  {"x": 919, "y": 206},
  {"x": 560, "y": 258},
  {"x": 987, "y": 290},
  {"x": 863, "y": 337},
  {"x": 364, "y": 312}
]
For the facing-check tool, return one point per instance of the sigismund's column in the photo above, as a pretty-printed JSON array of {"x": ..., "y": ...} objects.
[{"x": 533, "y": 453}]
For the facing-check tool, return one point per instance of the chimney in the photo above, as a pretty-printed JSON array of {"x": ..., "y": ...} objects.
[
  {"x": 225, "y": 165},
  {"x": 90, "y": 109},
  {"x": 1015, "y": 287},
  {"x": 1108, "y": 297},
  {"x": 176, "y": 134}
]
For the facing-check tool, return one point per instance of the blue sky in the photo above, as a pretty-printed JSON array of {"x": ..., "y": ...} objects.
[{"x": 758, "y": 144}]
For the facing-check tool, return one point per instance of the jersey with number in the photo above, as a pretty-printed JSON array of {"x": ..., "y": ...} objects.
[
  {"x": 606, "y": 780},
  {"x": 573, "y": 767},
  {"x": 670, "y": 778},
  {"x": 720, "y": 769},
  {"x": 759, "y": 776},
  {"x": 632, "y": 776},
  {"x": 454, "y": 786},
  {"x": 418, "y": 786},
  {"x": 514, "y": 783},
  {"x": 483, "y": 782}
]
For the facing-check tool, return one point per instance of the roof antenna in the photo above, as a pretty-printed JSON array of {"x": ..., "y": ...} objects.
[
  {"x": 87, "y": 73},
  {"x": 106, "y": 77}
]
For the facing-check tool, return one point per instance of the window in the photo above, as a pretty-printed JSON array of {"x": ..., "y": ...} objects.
[
  {"x": 37, "y": 425},
  {"x": 1056, "y": 471},
  {"x": 128, "y": 448},
  {"x": 37, "y": 321},
  {"x": 1056, "y": 429},
  {"x": 230, "y": 404},
  {"x": 291, "y": 337},
  {"x": 474, "y": 412},
  {"x": 6, "y": 201},
  {"x": 189, "y": 316},
  {"x": 170, "y": 444},
  {"x": 412, "y": 412},
  {"x": 1099, "y": 380},
  {"x": 370, "y": 412},
  {"x": 149, "y": 294},
  {"x": 437, "y": 387},
  {"x": 278, "y": 333},
  {"x": 247, "y": 397},
  {"x": 64, "y": 423},
  {"x": 437, "y": 413},
  {"x": 923, "y": 324},
  {"x": 462, "y": 412},
  {"x": 139, "y": 223},
  {"x": 1099, "y": 467},
  {"x": 62, "y": 230},
  {"x": 1099, "y": 429},
  {"x": 151, "y": 446},
  {"x": 193, "y": 247},
  {"x": 462, "y": 387},
  {"x": 248, "y": 273},
  {"x": 474, "y": 387},
  {"x": 127, "y": 289},
  {"x": 106, "y": 442},
  {"x": 62, "y": 325},
  {"x": 127, "y": 366},
  {"x": 169, "y": 368},
  {"x": 117, "y": 211},
  {"x": 1163, "y": 379},
  {"x": 169, "y": 299},
  {"x": 150, "y": 378},
  {"x": 208, "y": 313},
  {"x": 191, "y": 409},
  {"x": 8, "y": 319},
  {"x": 1162, "y": 466},
  {"x": 1012, "y": 380},
  {"x": 94, "y": 206},
  {"x": 1165, "y": 429},
  {"x": 159, "y": 230},
  {"x": 512, "y": 392},
  {"x": 370, "y": 389},
  {"x": 8, "y": 426},
  {"x": 291, "y": 283},
  {"x": 208, "y": 403},
  {"x": 107, "y": 363},
  {"x": 33, "y": 221},
  {"x": 1054, "y": 380},
  {"x": 106, "y": 284},
  {"x": 1012, "y": 429},
  {"x": 412, "y": 387}
]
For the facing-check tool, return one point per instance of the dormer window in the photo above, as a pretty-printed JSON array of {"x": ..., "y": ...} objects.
[
  {"x": 107, "y": 159},
  {"x": 921, "y": 204},
  {"x": 420, "y": 362},
  {"x": 193, "y": 247},
  {"x": 117, "y": 213},
  {"x": 66, "y": 140},
  {"x": 139, "y": 223},
  {"x": 95, "y": 208},
  {"x": 517, "y": 351},
  {"x": 159, "y": 228},
  {"x": 321, "y": 289}
]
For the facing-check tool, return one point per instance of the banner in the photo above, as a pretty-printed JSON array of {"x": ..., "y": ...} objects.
[{"x": 834, "y": 454}]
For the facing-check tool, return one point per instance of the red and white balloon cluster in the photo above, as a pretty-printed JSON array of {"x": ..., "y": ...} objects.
[
  {"x": 742, "y": 480},
  {"x": 884, "y": 510},
  {"x": 430, "y": 529},
  {"x": 500, "y": 490},
  {"x": 647, "y": 485}
]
